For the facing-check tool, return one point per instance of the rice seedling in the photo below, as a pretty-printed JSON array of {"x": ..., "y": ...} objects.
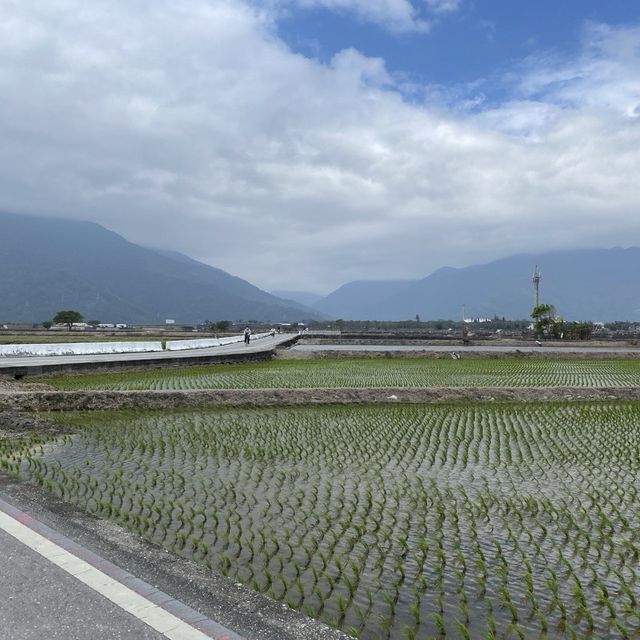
[
  {"x": 389, "y": 521},
  {"x": 363, "y": 373}
]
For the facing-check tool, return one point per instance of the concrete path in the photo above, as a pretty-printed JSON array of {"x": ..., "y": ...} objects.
[
  {"x": 53, "y": 588},
  {"x": 27, "y": 363}
]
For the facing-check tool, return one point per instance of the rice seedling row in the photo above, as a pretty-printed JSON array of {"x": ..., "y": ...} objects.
[
  {"x": 464, "y": 521},
  {"x": 366, "y": 374}
]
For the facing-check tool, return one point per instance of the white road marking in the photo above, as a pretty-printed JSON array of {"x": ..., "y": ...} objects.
[{"x": 133, "y": 603}]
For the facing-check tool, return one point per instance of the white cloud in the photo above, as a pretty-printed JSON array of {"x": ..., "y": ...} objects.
[
  {"x": 394, "y": 15},
  {"x": 604, "y": 76},
  {"x": 189, "y": 125},
  {"x": 443, "y": 6},
  {"x": 355, "y": 67}
]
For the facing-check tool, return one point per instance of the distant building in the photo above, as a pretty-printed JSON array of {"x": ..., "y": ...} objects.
[{"x": 77, "y": 326}]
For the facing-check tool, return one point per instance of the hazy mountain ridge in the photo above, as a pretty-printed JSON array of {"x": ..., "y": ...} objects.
[
  {"x": 50, "y": 264},
  {"x": 361, "y": 299},
  {"x": 306, "y": 298},
  {"x": 583, "y": 284}
]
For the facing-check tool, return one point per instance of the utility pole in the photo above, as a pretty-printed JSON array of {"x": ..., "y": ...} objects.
[
  {"x": 537, "y": 276},
  {"x": 464, "y": 327}
]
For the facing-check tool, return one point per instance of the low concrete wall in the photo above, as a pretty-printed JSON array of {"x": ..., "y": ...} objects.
[
  {"x": 179, "y": 345},
  {"x": 91, "y": 348},
  {"x": 77, "y": 348},
  {"x": 203, "y": 343}
]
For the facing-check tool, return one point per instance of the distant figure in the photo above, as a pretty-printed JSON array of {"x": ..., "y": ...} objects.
[
  {"x": 278, "y": 329},
  {"x": 247, "y": 335}
]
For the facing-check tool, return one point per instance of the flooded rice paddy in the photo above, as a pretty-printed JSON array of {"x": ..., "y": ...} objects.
[
  {"x": 464, "y": 521},
  {"x": 356, "y": 373}
]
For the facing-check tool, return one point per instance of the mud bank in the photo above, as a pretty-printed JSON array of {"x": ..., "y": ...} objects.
[
  {"x": 107, "y": 400},
  {"x": 15, "y": 425}
]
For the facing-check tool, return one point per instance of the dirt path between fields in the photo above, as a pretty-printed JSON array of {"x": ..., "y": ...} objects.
[
  {"x": 45, "y": 400},
  {"x": 17, "y": 426}
]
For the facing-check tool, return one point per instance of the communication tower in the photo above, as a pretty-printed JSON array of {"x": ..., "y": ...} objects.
[
  {"x": 465, "y": 338},
  {"x": 537, "y": 276}
]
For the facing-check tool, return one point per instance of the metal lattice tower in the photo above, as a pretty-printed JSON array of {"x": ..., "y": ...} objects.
[{"x": 537, "y": 276}]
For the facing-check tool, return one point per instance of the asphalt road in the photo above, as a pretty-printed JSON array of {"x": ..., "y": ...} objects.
[
  {"x": 40, "y": 600},
  {"x": 67, "y": 575}
]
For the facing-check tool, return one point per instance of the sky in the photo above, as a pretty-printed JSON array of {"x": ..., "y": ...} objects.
[{"x": 302, "y": 144}]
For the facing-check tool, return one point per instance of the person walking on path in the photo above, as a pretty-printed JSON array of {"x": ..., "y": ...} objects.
[{"x": 247, "y": 335}]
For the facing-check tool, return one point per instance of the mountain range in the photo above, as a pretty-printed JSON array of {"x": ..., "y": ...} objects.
[
  {"x": 49, "y": 264},
  {"x": 582, "y": 284}
]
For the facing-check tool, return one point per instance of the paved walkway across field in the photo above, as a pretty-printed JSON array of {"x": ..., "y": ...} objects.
[
  {"x": 53, "y": 588},
  {"x": 262, "y": 345}
]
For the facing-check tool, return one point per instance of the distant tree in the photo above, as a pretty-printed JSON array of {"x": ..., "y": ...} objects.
[
  {"x": 577, "y": 330},
  {"x": 544, "y": 318},
  {"x": 417, "y": 317},
  {"x": 67, "y": 317},
  {"x": 48, "y": 324},
  {"x": 223, "y": 325},
  {"x": 619, "y": 326}
]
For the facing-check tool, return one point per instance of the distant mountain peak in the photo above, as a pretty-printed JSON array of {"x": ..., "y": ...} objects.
[{"x": 106, "y": 277}]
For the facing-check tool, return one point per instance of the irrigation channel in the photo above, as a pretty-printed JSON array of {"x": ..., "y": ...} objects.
[{"x": 476, "y": 520}]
